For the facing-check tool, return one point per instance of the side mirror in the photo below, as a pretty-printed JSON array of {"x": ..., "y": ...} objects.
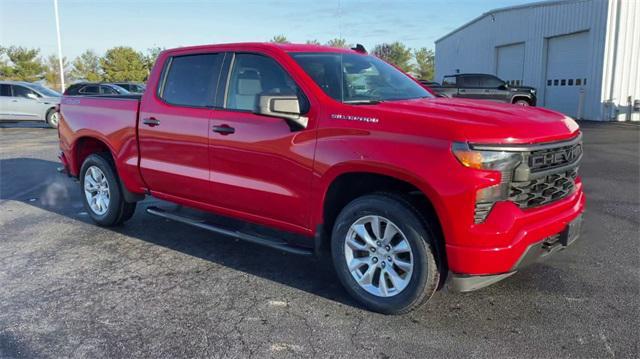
[
  {"x": 32, "y": 96},
  {"x": 283, "y": 106},
  {"x": 504, "y": 86}
]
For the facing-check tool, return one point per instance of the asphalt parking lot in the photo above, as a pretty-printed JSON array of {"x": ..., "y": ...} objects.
[{"x": 154, "y": 288}]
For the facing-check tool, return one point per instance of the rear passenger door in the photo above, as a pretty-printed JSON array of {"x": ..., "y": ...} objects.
[
  {"x": 469, "y": 86},
  {"x": 174, "y": 127}
]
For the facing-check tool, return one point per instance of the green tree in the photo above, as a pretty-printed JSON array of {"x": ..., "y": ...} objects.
[
  {"x": 87, "y": 67},
  {"x": 425, "y": 62},
  {"x": 151, "y": 56},
  {"x": 280, "y": 39},
  {"x": 338, "y": 42},
  {"x": 24, "y": 64},
  {"x": 123, "y": 64},
  {"x": 395, "y": 53},
  {"x": 52, "y": 72},
  {"x": 4, "y": 66},
  {"x": 313, "y": 42}
]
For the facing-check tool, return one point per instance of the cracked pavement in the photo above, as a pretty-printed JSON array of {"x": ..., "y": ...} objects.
[{"x": 155, "y": 288}]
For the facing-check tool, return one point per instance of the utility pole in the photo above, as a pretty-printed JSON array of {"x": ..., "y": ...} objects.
[{"x": 55, "y": 8}]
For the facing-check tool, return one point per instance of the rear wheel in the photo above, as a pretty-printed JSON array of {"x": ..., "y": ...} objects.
[
  {"x": 383, "y": 255},
  {"x": 53, "y": 118},
  {"x": 101, "y": 192}
]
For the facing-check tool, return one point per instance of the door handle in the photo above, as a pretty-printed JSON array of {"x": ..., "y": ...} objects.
[
  {"x": 224, "y": 129},
  {"x": 151, "y": 122}
]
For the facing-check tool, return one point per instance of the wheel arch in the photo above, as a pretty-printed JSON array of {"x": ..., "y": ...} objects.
[
  {"x": 345, "y": 186},
  {"x": 87, "y": 145},
  {"x": 528, "y": 98}
]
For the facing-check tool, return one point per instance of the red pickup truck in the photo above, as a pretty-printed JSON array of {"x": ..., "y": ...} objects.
[{"x": 317, "y": 150}]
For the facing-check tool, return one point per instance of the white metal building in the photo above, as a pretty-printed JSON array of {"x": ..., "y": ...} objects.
[{"x": 583, "y": 56}]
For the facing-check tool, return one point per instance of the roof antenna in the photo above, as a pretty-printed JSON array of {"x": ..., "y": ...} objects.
[{"x": 359, "y": 48}]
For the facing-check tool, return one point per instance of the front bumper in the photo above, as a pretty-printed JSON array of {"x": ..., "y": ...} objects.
[{"x": 533, "y": 253}]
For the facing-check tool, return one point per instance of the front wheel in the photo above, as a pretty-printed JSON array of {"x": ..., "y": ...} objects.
[
  {"x": 522, "y": 102},
  {"x": 383, "y": 255},
  {"x": 101, "y": 192}
]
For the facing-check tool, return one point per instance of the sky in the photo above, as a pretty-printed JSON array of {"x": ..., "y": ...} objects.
[{"x": 142, "y": 24}]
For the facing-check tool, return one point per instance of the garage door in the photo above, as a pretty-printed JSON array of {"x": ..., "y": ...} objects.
[
  {"x": 511, "y": 64},
  {"x": 567, "y": 72}
]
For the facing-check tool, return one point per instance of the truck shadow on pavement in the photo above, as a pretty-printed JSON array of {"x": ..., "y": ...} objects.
[{"x": 37, "y": 183}]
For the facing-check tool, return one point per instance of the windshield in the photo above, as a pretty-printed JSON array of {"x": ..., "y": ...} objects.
[
  {"x": 354, "y": 78},
  {"x": 45, "y": 91}
]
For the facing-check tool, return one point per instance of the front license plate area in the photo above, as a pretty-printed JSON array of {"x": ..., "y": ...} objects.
[{"x": 572, "y": 232}]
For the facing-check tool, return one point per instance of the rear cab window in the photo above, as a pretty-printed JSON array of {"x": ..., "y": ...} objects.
[{"x": 191, "y": 80}]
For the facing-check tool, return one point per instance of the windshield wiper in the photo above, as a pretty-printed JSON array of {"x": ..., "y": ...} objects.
[{"x": 362, "y": 102}]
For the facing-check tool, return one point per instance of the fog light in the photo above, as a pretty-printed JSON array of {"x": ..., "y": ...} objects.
[{"x": 486, "y": 198}]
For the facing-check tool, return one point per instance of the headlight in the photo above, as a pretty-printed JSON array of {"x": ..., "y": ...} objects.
[
  {"x": 501, "y": 161},
  {"x": 485, "y": 160}
]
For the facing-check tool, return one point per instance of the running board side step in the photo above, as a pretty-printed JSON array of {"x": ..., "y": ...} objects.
[{"x": 262, "y": 240}]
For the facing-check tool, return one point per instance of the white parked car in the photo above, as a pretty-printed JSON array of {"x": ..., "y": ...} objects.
[{"x": 28, "y": 101}]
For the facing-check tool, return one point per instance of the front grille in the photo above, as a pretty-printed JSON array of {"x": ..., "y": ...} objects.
[
  {"x": 543, "y": 190},
  {"x": 550, "y": 158}
]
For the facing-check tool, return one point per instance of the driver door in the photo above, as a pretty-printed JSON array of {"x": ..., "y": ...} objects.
[{"x": 261, "y": 166}]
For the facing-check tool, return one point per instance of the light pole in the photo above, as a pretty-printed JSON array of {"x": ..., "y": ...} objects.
[{"x": 55, "y": 8}]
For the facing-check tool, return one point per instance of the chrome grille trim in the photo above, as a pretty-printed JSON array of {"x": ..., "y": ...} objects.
[{"x": 526, "y": 147}]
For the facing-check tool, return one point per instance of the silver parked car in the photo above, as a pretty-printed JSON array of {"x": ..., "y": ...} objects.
[{"x": 28, "y": 101}]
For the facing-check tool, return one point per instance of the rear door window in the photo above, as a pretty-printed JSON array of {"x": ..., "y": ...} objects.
[
  {"x": 192, "y": 80},
  {"x": 470, "y": 81}
]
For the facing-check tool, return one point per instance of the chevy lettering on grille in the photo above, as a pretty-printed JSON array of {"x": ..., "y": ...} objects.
[{"x": 546, "y": 159}]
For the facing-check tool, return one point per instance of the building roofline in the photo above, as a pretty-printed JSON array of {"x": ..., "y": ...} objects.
[{"x": 509, "y": 8}]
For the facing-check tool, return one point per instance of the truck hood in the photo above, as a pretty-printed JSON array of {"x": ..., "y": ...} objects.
[{"x": 483, "y": 121}]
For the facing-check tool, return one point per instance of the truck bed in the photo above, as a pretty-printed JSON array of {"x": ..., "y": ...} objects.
[{"x": 110, "y": 119}]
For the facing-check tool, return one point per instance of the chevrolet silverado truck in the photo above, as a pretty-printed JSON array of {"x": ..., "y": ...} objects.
[
  {"x": 333, "y": 152},
  {"x": 485, "y": 87}
]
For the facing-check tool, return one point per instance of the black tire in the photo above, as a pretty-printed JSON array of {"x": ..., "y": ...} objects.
[
  {"x": 51, "y": 120},
  {"x": 118, "y": 209},
  {"x": 522, "y": 102},
  {"x": 425, "y": 276}
]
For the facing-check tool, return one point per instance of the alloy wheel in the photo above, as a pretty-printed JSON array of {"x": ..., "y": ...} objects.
[
  {"x": 96, "y": 190},
  {"x": 379, "y": 256}
]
